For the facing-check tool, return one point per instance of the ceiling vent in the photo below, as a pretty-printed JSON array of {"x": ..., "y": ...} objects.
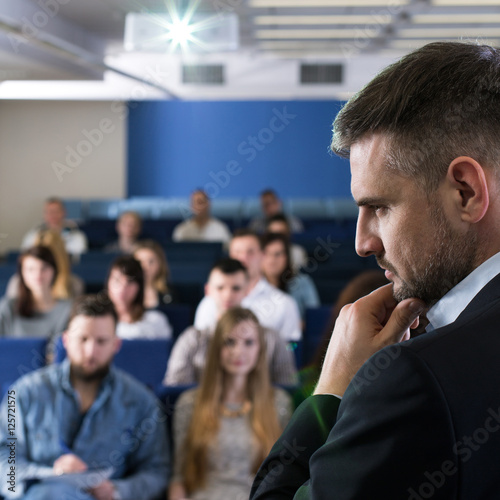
[
  {"x": 203, "y": 74},
  {"x": 321, "y": 73}
]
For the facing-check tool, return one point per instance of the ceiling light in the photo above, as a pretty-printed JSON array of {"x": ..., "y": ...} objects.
[
  {"x": 304, "y": 34},
  {"x": 447, "y": 18},
  {"x": 465, "y": 3},
  {"x": 326, "y": 3},
  {"x": 436, "y": 33},
  {"x": 311, "y": 20}
]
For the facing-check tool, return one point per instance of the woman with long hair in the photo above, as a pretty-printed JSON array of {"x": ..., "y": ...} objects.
[
  {"x": 66, "y": 285},
  {"x": 156, "y": 274},
  {"x": 277, "y": 269},
  {"x": 125, "y": 288},
  {"x": 225, "y": 428},
  {"x": 35, "y": 312}
]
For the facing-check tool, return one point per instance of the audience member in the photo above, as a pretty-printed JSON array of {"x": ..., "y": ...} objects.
[
  {"x": 156, "y": 273},
  {"x": 54, "y": 215},
  {"x": 201, "y": 226},
  {"x": 128, "y": 226},
  {"x": 84, "y": 415},
  {"x": 227, "y": 286},
  {"x": 66, "y": 285},
  {"x": 226, "y": 427},
  {"x": 34, "y": 312},
  {"x": 298, "y": 255},
  {"x": 274, "y": 308},
  {"x": 272, "y": 205},
  {"x": 125, "y": 287},
  {"x": 278, "y": 271}
]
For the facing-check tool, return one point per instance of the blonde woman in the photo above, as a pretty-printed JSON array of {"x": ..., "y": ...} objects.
[
  {"x": 224, "y": 429},
  {"x": 156, "y": 273}
]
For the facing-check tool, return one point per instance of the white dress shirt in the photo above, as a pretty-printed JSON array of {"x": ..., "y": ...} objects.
[
  {"x": 213, "y": 230},
  {"x": 273, "y": 308},
  {"x": 451, "y": 305}
]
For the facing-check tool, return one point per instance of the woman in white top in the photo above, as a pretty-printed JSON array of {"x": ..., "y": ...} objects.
[{"x": 125, "y": 286}]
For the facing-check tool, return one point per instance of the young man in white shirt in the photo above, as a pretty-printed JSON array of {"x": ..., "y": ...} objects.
[
  {"x": 274, "y": 308},
  {"x": 226, "y": 287}
]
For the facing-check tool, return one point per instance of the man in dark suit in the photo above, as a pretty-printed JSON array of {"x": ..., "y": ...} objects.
[{"x": 394, "y": 418}]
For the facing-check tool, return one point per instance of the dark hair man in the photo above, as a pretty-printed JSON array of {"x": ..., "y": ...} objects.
[
  {"x": 417, "y": 419},
  {"x": 85, "y": 416},
  {"x": 227, "y": 286}
]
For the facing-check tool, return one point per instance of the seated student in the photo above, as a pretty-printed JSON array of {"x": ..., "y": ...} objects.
[
  {"x": 66, "y": 285},
  {"x": 227, "y": 285},
  {"x": 125, "y": 287},
  {"x": 272, "y": 205},
  {"x": 128, "y": 226},
  {"x": 202, "y": 226},
  {"x": 279, "y": 224},
  {"x": 54, "y": 214},
  {"x": 278, "y": 271},
  {"x": 224, "y": 428},
  {"x": 156, "y": 273},
  {"x": 84, "y": 414},
  {"x": 275, "y": 309},
  {"x": 34, "y": 312}
]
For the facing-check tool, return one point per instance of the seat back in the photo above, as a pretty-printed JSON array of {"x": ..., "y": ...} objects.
[{"x": 19, "y": 356}]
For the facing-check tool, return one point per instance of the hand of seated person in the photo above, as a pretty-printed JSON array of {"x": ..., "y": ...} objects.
[
  {"x": 176, "y": 491},
  {"x": 68, "y": 463},
  {"x": 104, "y": 491}
]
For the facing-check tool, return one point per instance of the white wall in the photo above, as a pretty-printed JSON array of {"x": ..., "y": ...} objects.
[{"x": 56, "y": 148}]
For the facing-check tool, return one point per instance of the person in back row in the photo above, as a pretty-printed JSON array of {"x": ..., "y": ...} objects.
[
  {"x": 128, "y": 227},
  {"x": 274, "y": 308},
  {"x": 54, "y": 216},
  {"x": 227, "y": 286},
  {"x": 272, "y": 205},
  {"x": 202, "y": 226},
  {"x": 279, "y": 224},
  {"x": 84, "y": 414}
]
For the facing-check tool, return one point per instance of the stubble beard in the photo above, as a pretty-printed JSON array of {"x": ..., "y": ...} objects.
[{"x": 452, "y": 257}]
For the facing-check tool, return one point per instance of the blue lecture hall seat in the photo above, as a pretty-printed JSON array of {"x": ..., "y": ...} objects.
[
  {"x": 316, "y": 321},
  {"x": 180, "y": 316},
  {"x": 20, "y": 356}
]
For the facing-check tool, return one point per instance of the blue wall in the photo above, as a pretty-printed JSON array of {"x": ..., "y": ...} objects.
[{"x": 234, "y": 149}]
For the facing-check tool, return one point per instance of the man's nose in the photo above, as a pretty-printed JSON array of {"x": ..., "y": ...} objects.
[{"x": 368, "y": 241}]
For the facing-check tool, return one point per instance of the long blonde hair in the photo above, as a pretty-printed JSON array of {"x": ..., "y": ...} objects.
[
  {"x": 206, "y": 414},
  {"x": 53, "y": 241},
  {"x": 160, "y": 282}
]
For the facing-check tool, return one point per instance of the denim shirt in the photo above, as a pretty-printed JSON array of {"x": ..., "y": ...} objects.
[{"x": 125, "y": 428}]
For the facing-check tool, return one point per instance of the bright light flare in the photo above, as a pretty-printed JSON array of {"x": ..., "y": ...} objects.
[{"x": 180, "y": 33}]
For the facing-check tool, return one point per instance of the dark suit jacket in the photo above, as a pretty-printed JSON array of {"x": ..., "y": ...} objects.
[{"x": 420, "y": 419}]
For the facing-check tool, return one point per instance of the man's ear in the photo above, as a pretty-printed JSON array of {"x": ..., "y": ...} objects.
[
  {"x": 206, "y": 289},
  {"x": 468, "y": 180}
]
